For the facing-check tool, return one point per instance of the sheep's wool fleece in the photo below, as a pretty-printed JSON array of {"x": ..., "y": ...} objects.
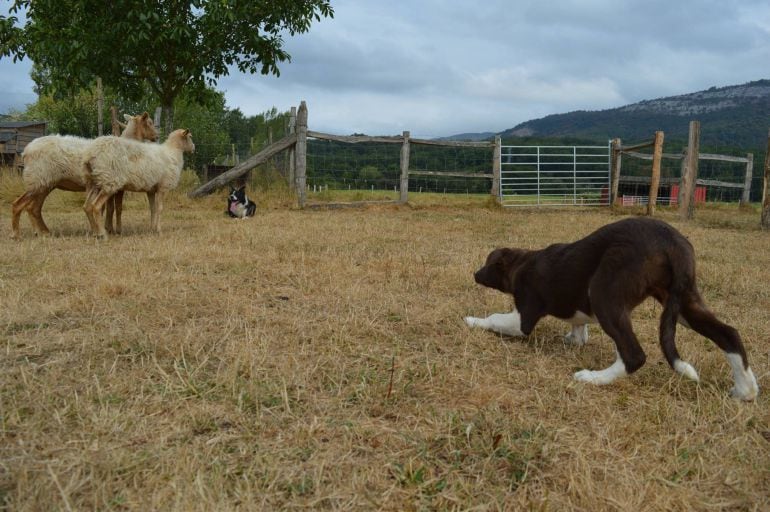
[
  {"x": 53, "y": 159},
  {"x": 117, "y": 164}
]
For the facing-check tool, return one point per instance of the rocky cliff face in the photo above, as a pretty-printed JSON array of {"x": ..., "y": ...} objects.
[{"x": 735, "y": 116}]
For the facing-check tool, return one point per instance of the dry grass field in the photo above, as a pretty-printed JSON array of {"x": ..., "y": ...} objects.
[{"x": 318, "y": 360}]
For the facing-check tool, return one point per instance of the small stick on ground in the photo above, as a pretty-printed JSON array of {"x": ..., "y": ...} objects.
[{"x": 392, "y": 371}]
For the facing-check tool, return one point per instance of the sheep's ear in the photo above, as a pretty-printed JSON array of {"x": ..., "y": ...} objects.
[{"x": 126, "y": 117}]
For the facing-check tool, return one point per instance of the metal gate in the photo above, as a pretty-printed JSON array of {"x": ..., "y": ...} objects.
[{"x": 555, "y": 175}]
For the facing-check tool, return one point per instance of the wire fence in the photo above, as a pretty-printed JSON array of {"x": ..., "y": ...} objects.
[
  {"x": 374, "y": 166},
  {"x": 724, "y": 180}
]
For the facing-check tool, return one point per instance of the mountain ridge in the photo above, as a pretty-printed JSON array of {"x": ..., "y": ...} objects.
[{"x": 733, "y": 117}]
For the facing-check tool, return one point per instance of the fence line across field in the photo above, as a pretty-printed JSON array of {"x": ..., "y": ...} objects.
[{"x": 561, "y": 181}]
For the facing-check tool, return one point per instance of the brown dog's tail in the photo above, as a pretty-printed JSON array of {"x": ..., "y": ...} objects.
[{"x": 680, "y": 284}]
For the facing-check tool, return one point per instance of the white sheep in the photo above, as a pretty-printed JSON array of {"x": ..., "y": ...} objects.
[
  {"x": 114, "y": 164},
  {"x": 56, "y": 162}
]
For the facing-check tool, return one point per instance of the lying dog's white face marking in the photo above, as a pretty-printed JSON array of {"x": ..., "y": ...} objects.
[
  {"x": 746, "y": 387},
  {"x": 606, "y": 376}
]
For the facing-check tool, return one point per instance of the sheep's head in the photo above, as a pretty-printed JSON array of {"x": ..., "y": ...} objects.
[
  {"x": 140, "y": 127},
  {"x": 182, "y": 139}
]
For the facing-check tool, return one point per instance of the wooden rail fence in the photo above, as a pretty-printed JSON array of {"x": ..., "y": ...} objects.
[{"x": 296, "y": 144}]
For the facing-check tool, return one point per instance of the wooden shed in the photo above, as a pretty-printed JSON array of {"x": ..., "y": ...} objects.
[{"x": 14, "y": 137}]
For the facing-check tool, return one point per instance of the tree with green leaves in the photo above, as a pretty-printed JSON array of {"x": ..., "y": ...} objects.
[{"x": 167, "y": 45}]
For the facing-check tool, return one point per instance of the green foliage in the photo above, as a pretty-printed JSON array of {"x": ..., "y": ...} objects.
[
  {"x": 77, "y": 113},
  {"x": 166, "y": 45},
  {"x": 208, "y": 128}
]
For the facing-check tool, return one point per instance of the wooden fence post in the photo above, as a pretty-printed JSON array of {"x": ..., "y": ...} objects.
[
  {"x": 496, "y": 158},
  {"x": 746, "y": 197},
  {"x": 657, "y": 153},
  {"x": 615, "y": 171},
  {"x": 114, "y": 121},
  {"x": 292, "y": 152},
  {"x": 99, "y": 107},
  {"x": 404, "y": 192},
  {"x": 301, "y": 156},
  {"x": 689, "y": 173},
  {"x": 765, "y": 220}
]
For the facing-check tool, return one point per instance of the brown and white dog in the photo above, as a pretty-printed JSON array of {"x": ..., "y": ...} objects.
[{"x": 602, "y": 278}]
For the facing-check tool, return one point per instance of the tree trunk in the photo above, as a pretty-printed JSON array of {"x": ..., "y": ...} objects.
[{"x": 168, "y": 117}]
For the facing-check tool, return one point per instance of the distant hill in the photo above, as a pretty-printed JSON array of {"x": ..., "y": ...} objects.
[
  {"x": 732, "y": 118},
  {"x": 472, "y": 137}
]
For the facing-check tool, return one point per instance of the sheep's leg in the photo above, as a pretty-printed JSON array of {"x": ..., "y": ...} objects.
[
  {"x": 35, "y": 211},
  {"x": 19, "y": 205},
  {"x": 117, "y": 199},
  {"x": 151, "y": 198},
  {"x": 87, "y": 205},
  {"x": 155, "y": 220},
  {"x": 96, "y": 208},
  {"x": 93, "y": 207},
  {"x": 109, "y": 212}
]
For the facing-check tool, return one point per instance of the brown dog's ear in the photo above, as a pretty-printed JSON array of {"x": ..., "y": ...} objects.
[{"x": 145, "y": 115}]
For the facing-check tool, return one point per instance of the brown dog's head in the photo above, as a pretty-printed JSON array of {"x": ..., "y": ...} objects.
[{"x": 500, "y": 269}]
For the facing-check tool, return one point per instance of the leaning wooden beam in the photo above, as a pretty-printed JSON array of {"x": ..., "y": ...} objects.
[{"x": 244, "y": 167}]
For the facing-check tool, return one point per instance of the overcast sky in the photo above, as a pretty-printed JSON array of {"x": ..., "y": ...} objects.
[{"x": 442, "y": 67}]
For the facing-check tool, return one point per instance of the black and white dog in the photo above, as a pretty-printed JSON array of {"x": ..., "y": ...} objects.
[
  {"x": 602, "y": 278},
  {"x": 238, "y": 205}
]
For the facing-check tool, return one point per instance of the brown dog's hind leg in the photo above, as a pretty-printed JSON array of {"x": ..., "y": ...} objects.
[{"x": 700, "y": 319}]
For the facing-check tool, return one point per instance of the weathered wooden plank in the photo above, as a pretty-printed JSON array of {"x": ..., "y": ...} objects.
[
  {"x": 453, "y": 143},
  {"x": 453, "y": 174},
  {"x": 674, "y": 181},
  {"x": 615, "y": 163},
  {"x": 724, "y": 158},
  {"x": 689, "y": 173},
  {"x": 765, "y": 218},
  {"x": 648, "y": 156},
  {"x": 746, "y": 196},
  {"x": 354, "y": 139},
  {"x": 300, "y": 157},
  {"x": 404, "y": 183},
  {"x": 496, "y": 159},
  {"x": 244, "y": 167},
  {"x": 626, "y": 149},
  {"x": 655, "y": 180}
]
